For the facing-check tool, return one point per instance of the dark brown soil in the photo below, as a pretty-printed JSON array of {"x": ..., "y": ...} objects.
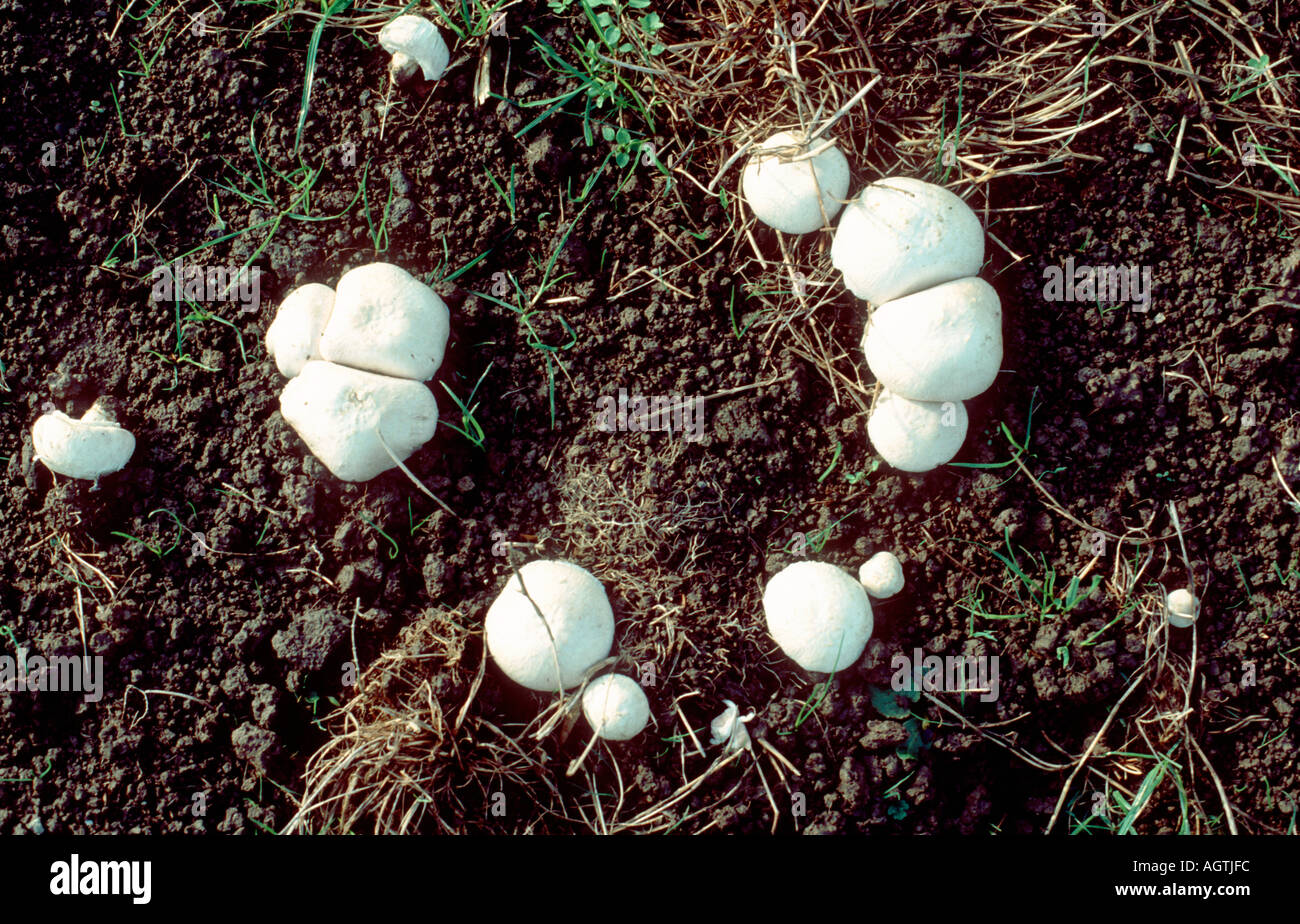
[{"x": 223, "y": 653}]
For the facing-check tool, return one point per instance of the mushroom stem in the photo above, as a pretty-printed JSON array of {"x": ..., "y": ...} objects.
[{"x": 401, "y": 68}]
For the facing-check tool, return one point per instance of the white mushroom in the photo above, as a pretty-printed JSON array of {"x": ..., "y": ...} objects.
[
  {"x": 819, "y": 615},
  {"x": 1181, "y": 608},
  {"x": 902, "y": 235},
  {"x": 87, "y": 448},
  {"x": 943, "y": 343},
  {"x": 294, "y": 336},
  {"x": 792, "y": 195},
  {"x": 414, "y": 42},
  {"x": 346, "y": 416},
  {"x": 881, "y": 575},
  {"x": 729, "y": 728},
  {"x": 616, "y": 707},
  {"x": 916, "y": 436},
  {"x": 386, "y": 321},
  {"x": 563, "y": 621}
]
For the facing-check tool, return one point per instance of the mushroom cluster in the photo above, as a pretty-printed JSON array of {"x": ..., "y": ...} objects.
[
  {"x": 912, "y": 250},
  {"x": 356, "y": 358},
  {"x": 934, "y": 339},
  {"x": 822, "y": 618},
  {"x": 548, "y": 627}
]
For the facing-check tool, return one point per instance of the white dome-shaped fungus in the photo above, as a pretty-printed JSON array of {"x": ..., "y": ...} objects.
[
  {"x": 819, "y": 615},
  {"x": 1181, "y": 607},
  {"x": 943, "y": 343},
  {"x": 902, "y": 235},
  {"x": 293, "y": 339},
  {"x": 794, "y": 195},
  {"x": 575, "y": 628},
  {"x": 341, "y": 413},
  {"x": 386, "y": 321},
  {"x": 881, "y": 575},
  {"x": 616, "y": 707},
  {"x": 916, "y": 436}
]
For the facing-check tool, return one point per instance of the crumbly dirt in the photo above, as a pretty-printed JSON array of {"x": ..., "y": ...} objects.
[{"x": 233, "y": 588}]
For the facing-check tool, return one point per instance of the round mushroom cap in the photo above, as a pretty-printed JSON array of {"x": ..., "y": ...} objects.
[
  {"x": 419, "y": 39},
  {"x": 916, "y": 436},
  {"x": 87, "y": 448},
  {"x": 902, "y": 235},
  {"x": 340, "y": 413},
  {"x": 818, "y": 614},
  {"x": 1180, "y": 605},
  {"x": 616, "y": 707},
  {"x": 881, "y": 575},
  {"x": 940, "y": 344},
  {"x": 294, "y": 336},
  {"x": 795, "y": 197},
  {"x": 575, "y": 629},
  {"x": 386, "y": 321}
]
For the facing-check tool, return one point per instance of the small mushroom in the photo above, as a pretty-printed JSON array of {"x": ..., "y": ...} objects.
[
  {"x": 294, "y": 336},
  {"x": 414, "y": 42},
  {"x": 356, "y": 422},
  {"x": 1181, "y": 608},
  {"x": 88, "y": 448},
  {"x": 386, "y": 321},
  {"x": 916, "y": 436},
  {"x": 819, "y": 615},
  {"x": 881, "y": 575},
  {"x": 728, "y": 728},
  {"x": 790, "y": 191},
  {"x": 902, "y": 235},
  {"x": 943, "y": 343},
  {"x": 616, "y": 707},
  {"x": 558, "y": 617}
]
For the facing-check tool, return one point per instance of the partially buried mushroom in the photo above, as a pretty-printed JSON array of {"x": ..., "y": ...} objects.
[
  {"x": 943, "y": 343},
  {"x": 881, "y": 575},
  {"x": 293, "y": 338},
  {"x": 386, "y": 321},
  {"x": 1181, "y": 608},
  {"x": 87, "y": 448},
  {"x": 416, "y": 45},
  {"x": 357, "y": 423}
]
